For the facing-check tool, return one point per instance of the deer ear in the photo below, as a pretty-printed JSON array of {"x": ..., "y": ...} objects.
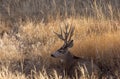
[{"x": 70, "y": 44}]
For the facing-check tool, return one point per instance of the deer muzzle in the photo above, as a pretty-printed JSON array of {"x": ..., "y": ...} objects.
[{"x": 56, "y": 54}]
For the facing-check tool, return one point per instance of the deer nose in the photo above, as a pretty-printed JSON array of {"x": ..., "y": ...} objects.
[{"x": 52, "y": 55}]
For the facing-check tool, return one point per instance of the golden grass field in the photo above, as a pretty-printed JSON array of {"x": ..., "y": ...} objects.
[{"x": 27, "y": 36}]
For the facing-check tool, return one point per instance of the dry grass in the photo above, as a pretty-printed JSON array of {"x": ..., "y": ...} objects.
[
  {"x": 26, "y": 53},
  {"x": 35, "y": 43}
]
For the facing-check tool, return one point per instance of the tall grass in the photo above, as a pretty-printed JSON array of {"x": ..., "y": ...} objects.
[
  {"x": 25, "y": 51},
  {"x": 44, "y": 10}
]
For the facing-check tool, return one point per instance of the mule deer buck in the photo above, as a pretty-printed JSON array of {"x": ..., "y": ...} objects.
[{"x": 68, "y": 59}]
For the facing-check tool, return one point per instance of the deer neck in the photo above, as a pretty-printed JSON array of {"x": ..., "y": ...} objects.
[{"x": 69, "y": 59}]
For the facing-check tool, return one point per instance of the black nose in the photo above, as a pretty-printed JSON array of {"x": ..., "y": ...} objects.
[{"x": 52, "y": 55}]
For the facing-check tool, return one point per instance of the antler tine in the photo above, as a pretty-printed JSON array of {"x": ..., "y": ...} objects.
[
  {"x": 71, "y": 33},
  {"x": 66, "y": 27},
  {"x": 66, "y": 32},
  {"x": 60, "y": 35}
]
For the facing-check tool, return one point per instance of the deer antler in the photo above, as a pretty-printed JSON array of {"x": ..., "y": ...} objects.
[
  {"x": 60, "y": 35},
  {"x": 67, "y": 34}
]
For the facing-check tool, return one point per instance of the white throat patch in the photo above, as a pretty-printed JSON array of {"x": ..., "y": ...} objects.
[{"x": 61, "y": 60}]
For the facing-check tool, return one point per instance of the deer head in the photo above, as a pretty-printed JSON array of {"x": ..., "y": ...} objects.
[{"x": 65, "y": 35}]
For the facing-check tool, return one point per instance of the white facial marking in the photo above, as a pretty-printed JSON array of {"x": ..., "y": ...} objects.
[{"x": 57, "y": 54}]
